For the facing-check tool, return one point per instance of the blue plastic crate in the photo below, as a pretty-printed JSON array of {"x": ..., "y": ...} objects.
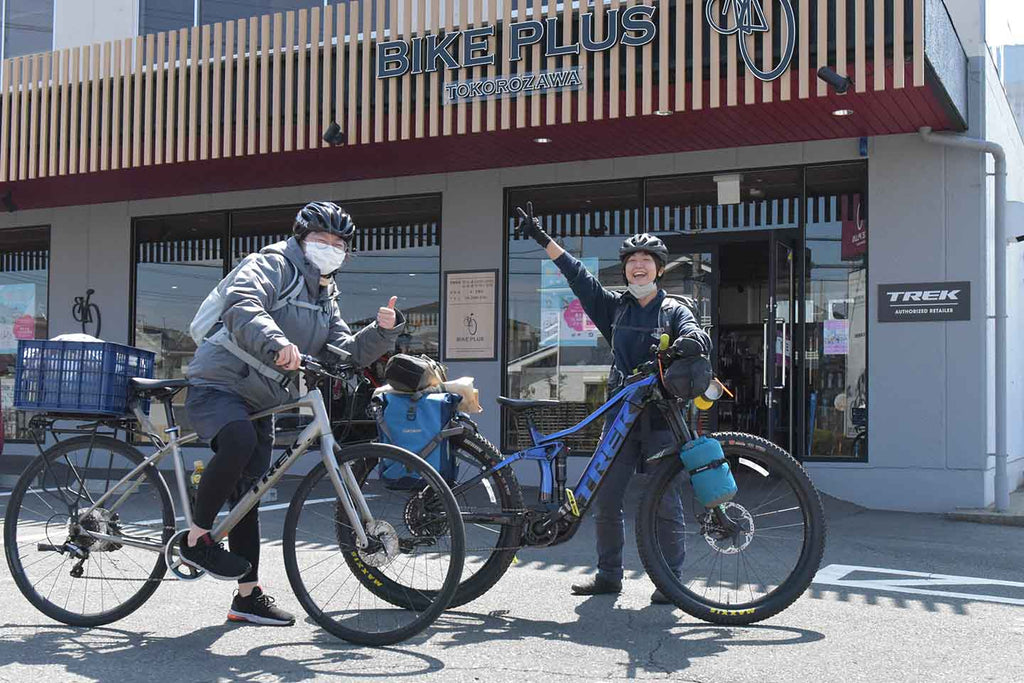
[{"x": 77, "y": 377}]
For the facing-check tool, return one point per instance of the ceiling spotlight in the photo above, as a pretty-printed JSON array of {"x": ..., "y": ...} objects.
[
  {"x": 334, "y": 136},
  {"x": 542, "y": 141},
  {"x": 843, "y": 112},
  {"x": 663, "y": 112},
  {"x": 839, "y": 83}
]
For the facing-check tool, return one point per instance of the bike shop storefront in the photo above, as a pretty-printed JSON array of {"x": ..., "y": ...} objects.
[{"x": 776, "y": 262}]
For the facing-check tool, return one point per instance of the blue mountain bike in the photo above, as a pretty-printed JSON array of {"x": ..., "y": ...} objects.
[{"x": 745, "y": 560}]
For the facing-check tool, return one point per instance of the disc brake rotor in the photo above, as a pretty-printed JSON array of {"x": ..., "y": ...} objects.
[
  {"x": 724, "y": 541},
  {"x": 384, "y": 549}
]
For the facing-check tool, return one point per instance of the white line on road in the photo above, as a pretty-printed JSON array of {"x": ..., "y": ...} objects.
[
  {"x": 915, "y": 583},
  {"x": 264, "y": 508}
]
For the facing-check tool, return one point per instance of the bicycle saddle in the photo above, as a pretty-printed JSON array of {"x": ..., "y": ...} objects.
[
  {"x": 525, "y": 404},
  {"x": 154, "y": 387}
]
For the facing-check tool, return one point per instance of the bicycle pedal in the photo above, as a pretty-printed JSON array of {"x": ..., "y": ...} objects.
[{"x": 572, "y": 502}]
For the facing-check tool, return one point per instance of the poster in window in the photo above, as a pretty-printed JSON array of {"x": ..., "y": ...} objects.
[
  {"x": 562, "y": 320},
  {"x": 854, "y": 228},
  {"x": 837, "y": 337},
  {"x": 470, "y": 316},
  {"x": 17, "y": 315}
]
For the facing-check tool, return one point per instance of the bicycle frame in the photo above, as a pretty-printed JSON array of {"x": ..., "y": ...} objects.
[
  {"x": 546, "y": 448},
  {"x": 344, "y": 481}
]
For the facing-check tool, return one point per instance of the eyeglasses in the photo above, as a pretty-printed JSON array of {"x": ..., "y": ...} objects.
[{"x": 328, "y": 239}]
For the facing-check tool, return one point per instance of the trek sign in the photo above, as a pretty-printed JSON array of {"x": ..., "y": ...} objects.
[
  {"x": 924, "y": 302},
  {"x": 633, "y": 27}
]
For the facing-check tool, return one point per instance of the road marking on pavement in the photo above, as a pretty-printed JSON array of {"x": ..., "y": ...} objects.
[
  {"x": 916, "y": 583},
  {"x": 263, "y": 508}
]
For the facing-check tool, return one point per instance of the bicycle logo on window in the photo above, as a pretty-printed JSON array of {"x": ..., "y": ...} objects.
[
  {"x": 87, "y": 313},
  {"x": 747, "y": 18}
]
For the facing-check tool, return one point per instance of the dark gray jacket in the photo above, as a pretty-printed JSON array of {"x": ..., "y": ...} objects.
[{"x": 262, "y": 333}]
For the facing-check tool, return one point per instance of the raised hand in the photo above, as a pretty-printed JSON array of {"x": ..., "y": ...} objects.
[{"x": 528, "y": 226}]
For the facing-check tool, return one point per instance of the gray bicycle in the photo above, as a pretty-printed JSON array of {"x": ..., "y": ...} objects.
[{"x": 91, "y": 530}]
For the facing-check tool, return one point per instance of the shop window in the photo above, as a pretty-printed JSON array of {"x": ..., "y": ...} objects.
[
  {"x": 178, "y": 260},
  {"x": 397, "y": 252},
  {"x": 24, "y": 275},
  {"x": 28, "y": 27},
  {"x": 836, "y": 288},
  {"x": 165, "y": 15},
  {"x": 549, "y": 354},
  {"x": 213, "y": 11}
]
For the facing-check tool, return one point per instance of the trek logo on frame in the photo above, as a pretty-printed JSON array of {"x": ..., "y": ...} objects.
[{"x": 633, "y": 27}]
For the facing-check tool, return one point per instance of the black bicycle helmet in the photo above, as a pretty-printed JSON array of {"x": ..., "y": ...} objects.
[
  {"x": 646, "y": 243},
  {"x": 324, "y": 217}
]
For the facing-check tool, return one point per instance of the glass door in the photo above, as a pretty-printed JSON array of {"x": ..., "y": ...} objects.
[{"x": 779, "y": 323}]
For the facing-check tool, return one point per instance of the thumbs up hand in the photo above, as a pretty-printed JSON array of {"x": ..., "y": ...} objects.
[{"x": 386, "y": 315}]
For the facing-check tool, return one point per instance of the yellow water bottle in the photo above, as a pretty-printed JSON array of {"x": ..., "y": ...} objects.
[
  {"x": 197, "y": 472},
  {"x": 714, "y": 392}
]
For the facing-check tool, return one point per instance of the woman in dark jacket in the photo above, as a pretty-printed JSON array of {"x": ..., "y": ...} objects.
[
  {"x": 280, "y": 305},
  {"x": 631, "y": 322}
]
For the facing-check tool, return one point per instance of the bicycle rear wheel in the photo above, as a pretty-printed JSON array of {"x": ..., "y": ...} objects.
[
  {"x": 401, "y": 583},
  {"x": 65, "y": 573},
  {"x": 753, "y": 573}
]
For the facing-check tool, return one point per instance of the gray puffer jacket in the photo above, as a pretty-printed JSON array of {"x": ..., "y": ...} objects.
[{"x": 262, "y": 333}]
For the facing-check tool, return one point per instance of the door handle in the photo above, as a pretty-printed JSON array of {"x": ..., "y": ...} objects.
[
  {"x": 764, "y": 362},
  {"x": 783, "y": 385}
]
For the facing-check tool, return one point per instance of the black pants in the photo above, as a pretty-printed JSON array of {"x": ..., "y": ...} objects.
[{"x": 241, "y": 455}]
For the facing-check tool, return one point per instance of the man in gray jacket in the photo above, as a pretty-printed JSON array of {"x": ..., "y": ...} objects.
[{"x": 280, "y": 305}]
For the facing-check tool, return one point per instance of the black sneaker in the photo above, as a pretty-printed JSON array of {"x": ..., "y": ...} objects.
[
  {"x": 213, "y": 559},
  {"x": 258, "y": 608},
  {"x": 659, "y": 598},
  {"x": 599, "y": 585}
]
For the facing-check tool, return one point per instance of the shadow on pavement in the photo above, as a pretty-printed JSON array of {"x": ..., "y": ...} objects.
[
  {"x": 653, "y": 638},
  {"x": 108, "y": 654}
]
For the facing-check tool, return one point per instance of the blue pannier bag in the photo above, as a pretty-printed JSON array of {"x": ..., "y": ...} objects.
[
  {"x": 414, "y": 422},
  {"x": 710, "y": 476}
]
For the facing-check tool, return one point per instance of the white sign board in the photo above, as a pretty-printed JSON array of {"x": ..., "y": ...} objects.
[{"x": 470, "y": 315}]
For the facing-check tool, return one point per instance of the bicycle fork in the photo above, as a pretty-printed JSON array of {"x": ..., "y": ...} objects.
[{"x": 343, "y": 479}]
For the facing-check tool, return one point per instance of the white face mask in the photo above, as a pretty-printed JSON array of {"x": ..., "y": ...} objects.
[
  {"x": 325, "y": 257},
  {"x": 641, "y": 291}
]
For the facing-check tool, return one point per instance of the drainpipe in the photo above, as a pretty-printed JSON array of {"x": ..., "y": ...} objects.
[{"x": 1002, "y": 481}]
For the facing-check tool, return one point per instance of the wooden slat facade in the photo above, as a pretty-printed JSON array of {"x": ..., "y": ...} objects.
[{"x": 249, "y": 87}]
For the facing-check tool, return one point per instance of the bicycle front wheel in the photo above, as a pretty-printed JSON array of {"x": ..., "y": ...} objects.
[
  {"x": 64, "y": 572},
  {"x": 399, "y": 584},
  {"x": 742, "y": 574}
]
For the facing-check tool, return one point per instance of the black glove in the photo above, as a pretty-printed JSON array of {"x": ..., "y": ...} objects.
[
  {"x": 685, "y": 347},
  {"x": 528, "y": 226}
]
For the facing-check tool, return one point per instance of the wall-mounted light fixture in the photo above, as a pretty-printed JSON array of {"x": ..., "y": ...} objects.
[
  {"x": 839, "y": 83},
  {"x": 334, "y": 136}
]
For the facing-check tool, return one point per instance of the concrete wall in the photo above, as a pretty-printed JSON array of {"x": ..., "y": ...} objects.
[
  {"x": 1002, "y": 127},
  {"x": 969, "y": 21},
  {"x": 927, "y": 400},
  {"x": 84, "y": 22}
]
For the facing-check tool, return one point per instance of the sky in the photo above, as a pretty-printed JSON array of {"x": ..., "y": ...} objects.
[{"x": 1004, "y": 22}]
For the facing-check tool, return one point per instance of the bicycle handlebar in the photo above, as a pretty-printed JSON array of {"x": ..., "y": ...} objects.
[{"x": 319, "y": 368}]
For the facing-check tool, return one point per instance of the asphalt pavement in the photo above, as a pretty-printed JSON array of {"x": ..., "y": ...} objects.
[{"x": 899, "y": 597}]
